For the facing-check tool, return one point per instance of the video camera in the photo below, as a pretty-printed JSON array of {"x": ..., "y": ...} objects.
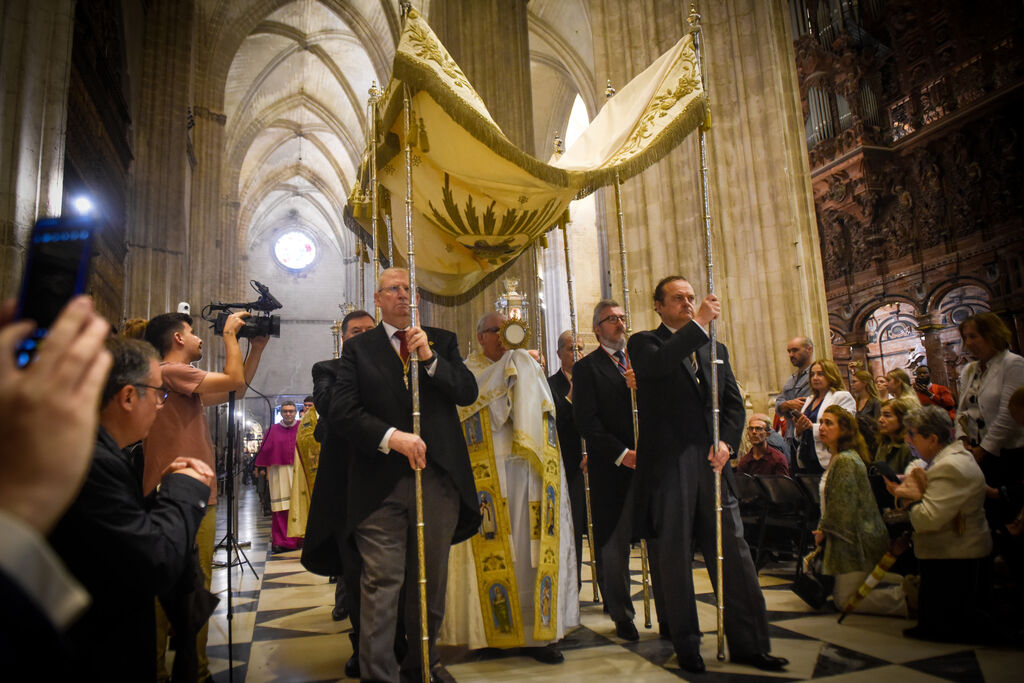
[{"x": 260, "y": 324}]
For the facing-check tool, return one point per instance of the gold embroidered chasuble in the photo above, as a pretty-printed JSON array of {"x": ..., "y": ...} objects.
[
  {"x": 307, "y": 460},
  {"x": 498, "y": 597}
]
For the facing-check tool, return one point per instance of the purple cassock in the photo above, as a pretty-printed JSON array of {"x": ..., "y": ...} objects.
[{"x": 277, "y": 453}]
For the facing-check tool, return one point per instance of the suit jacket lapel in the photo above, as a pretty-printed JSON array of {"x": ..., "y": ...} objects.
[
  {"x": 609, "y": 368},
  {"x": 388, "y": 364},
  {"x": 665, "y": 333}
]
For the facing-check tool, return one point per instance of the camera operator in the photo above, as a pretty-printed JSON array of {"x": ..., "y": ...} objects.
[{"x": 181, "y": 427}]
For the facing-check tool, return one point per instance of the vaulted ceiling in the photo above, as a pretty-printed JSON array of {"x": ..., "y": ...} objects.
[{"x": 295, "y": 99}]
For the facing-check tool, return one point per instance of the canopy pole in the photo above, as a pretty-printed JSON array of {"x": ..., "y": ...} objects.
[{"x": 695, "y": 30}]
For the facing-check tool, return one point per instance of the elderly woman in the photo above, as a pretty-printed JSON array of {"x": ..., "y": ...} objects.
[
  {"x": 850, "y": 522},
  {"x": 951, "y": 537},
  {"x": 826, "y": 389},
  {"x": 984, "y": 423}
]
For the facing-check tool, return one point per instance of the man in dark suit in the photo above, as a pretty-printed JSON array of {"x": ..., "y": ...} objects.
[
  {"x": 147, "y": 542},
  {"x": 372, "y": 406},
  {"x": 569, "y": 439},
  {"x": 676, "y": 462},
  {"x": 327, "y": 551},
  {"x": 603, "y": 411}
]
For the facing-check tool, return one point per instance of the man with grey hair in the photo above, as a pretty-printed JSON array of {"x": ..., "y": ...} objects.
[
  {"x": 951, "y": 536},
  {"x": 602, "y": 407},
  {"x": 569, "y": 438},
  {"x": 532, "y": 598},
  {"x": 147, "y": 542}
]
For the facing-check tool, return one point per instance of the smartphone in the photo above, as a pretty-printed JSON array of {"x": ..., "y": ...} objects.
[{"x": 56, "y": 269}]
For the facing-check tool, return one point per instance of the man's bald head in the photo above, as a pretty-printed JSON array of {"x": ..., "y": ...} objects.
[{"x": 800, "y": 350}]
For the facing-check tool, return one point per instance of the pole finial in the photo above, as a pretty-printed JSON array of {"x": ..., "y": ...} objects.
[
  {"x": 609, "y": 91},
  {"x": 693, "y": 18},
  {"x": 558, "y": 145}
]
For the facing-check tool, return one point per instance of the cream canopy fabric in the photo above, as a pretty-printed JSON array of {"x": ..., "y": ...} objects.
[{"x": 478, "y": 200}]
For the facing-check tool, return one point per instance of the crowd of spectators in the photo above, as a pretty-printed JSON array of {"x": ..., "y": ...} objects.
[{"x": 946, "y": 463}]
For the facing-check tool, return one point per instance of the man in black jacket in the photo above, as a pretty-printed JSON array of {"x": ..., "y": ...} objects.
[
  {"x": 569, "y": 440},
  {"x": 127, "y": 549},
  {"x": 603, "y": 411},
  {"x": 327, "y": 551},
  {"x": 676, "y": 462},
  {"x": 372, "y": 406}
]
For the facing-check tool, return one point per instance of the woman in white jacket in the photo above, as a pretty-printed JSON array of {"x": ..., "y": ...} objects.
[
  {"x": 984, "y": 423},
  {"x": 827, "y": 388}
]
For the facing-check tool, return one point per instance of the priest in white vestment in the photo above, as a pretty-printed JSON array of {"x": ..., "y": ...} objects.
[{"x": 514, "y": 584}]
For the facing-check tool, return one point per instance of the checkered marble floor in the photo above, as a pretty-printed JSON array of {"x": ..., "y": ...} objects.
[{"x": 282, "y": 631}]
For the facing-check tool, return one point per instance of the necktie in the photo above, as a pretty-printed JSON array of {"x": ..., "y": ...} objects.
[
  {"x": 620, "y": 361},
  {"x": 696, "y": 368},
  {"x": 403, "y": 347}
]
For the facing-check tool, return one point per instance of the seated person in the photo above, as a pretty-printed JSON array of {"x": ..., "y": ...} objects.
[
  {"x": 851, "y": 527},
  {"x": 124, "y": 548},
  {"x": 762, "y": 458},
  {"x": 951, "y": 535}
]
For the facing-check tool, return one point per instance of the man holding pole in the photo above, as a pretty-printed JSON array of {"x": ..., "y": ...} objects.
[
  {"x": 372, "y": 405},
  {"x": 676, "y": 462},
  {"x": 603, "y": 410}
]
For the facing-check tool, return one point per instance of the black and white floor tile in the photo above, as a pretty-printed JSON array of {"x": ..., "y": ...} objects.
[{"x": 282, "y": 631}]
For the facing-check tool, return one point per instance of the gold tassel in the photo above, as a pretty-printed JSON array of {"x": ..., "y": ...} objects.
[{"x": 424, "y": 143}]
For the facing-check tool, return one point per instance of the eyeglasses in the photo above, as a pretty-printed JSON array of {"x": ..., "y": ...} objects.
[
  {"x": 395, "y": 289},
  {"x": 161, "y": 392},
  {"x": 756, "y": 429},
  {"x": 613, "y": 318},
  {"x": 491, "y": 330}
]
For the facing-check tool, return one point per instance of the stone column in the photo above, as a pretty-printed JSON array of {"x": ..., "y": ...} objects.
[
  {"x": 489, "y": 40},
  {"x": 768, "y": 266},
  {"x": 35, "y": 63},
  {"x": 930, "y": 325}
]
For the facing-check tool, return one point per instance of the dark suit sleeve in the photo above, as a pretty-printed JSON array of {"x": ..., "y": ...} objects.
[
  {"x": 585, "y": 413},
  {"x": 348, "y": 415},
  {"x": 323, "y": 380},
  {"x": 650, "y": 359},
  {"x": 154, "y": 541},
  {"x": 451, "y": 376},
  {"x": 732, "y": 412}
]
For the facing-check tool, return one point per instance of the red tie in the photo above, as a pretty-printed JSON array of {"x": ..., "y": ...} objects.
[{"x": 403, "y": 348}]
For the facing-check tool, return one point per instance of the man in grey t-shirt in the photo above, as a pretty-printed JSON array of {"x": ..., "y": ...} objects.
[{"x": 797, "y": 387}]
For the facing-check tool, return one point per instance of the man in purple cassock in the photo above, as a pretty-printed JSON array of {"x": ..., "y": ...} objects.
[{"x": 277, "y": 453}]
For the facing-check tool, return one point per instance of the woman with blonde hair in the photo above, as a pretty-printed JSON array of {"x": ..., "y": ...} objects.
[
  {"x": 850, "y": 521},
  {"x": 827, "y": 389},
  {"x": 899, "y": 386}
]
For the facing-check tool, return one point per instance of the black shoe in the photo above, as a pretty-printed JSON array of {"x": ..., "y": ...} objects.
[
  {"x": 693, "y": 664},
  {"x": 339, "y": 613},
  {"x": 548, "y": 654},
  {"x": 626, "y": 630},
  {"x": 277, "y": 549},
  {"x": 332, "y": 579},
  {"x": 352, "y": 666},
  {"x": 763, "y": 661}
]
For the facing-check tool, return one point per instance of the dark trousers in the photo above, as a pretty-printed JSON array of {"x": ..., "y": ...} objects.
[
  {"x": 683, "y": 505},
  {"x": 347, "y": 589},
  {"x": 614, "y": 562},
  {"x": 387, "y": 543},
  {"x": 954, "y": 598}
]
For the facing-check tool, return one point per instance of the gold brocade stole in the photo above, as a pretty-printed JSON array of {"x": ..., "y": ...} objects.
[
  {"x": 545, "y": 622},
  {"x": 308, "y": 448},
  {"x": 495, "y": 572}
]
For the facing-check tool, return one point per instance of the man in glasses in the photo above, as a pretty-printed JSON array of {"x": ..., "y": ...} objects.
[
  {"x": 277, "y": 454},
  {"x": 182, "y": 427},
  {"x": 603, "y": 411},
  {"x": 125, "y": 548},
  {"x": 762, "y": 458}
]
